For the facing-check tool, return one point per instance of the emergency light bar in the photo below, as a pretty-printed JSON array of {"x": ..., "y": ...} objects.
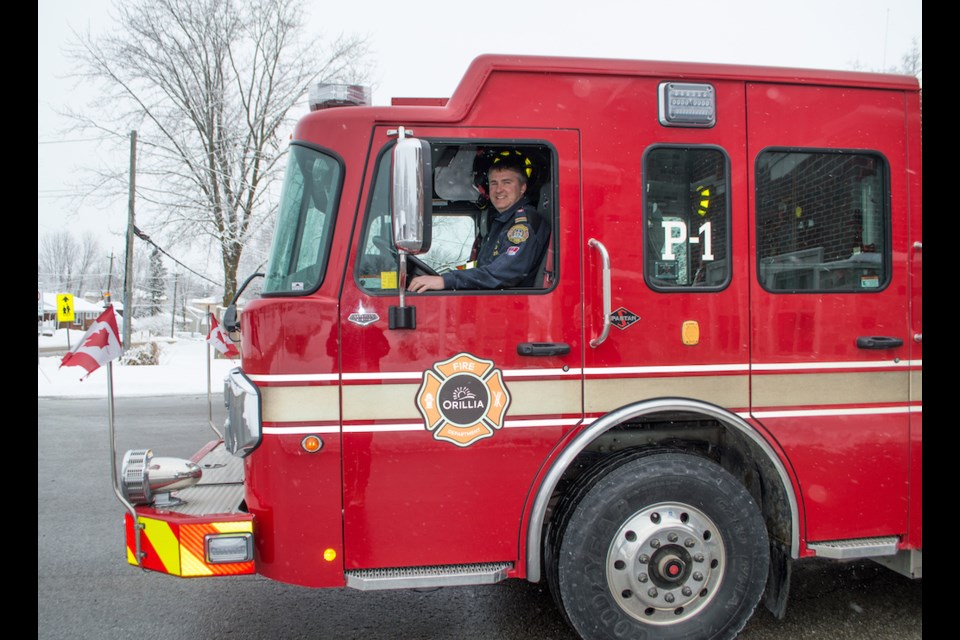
[
  {"x": 325, "y": 96},
  {"x": 684, "y": 104}
]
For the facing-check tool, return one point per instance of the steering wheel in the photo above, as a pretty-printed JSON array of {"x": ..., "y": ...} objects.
[{"x": 418, "y": 265}]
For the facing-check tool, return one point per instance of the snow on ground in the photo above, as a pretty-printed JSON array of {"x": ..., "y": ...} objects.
[{"x": 182, "y": 370}]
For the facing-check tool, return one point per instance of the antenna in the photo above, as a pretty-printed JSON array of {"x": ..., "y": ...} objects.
[{"x": 886, "y": 35}]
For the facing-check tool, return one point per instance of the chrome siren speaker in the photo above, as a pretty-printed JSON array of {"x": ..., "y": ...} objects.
[{"x": 146, "y": 479}]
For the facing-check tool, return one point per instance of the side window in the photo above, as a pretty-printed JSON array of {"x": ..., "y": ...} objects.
[
  {"x": 686, "y": 218},
  {"x": 378, "y": 261},
  {"x": 304, "y": 229},
  {"x": 822, "y": 221},
  {"x": 462, "y": 215}
]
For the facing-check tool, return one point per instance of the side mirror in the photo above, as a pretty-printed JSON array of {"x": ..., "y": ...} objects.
[
  {"x": 411, "y": 197},
  {"x": 230, "y": 321}
]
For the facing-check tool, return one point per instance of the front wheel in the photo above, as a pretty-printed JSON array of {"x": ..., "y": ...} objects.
[{"x": 663, "y": 546}]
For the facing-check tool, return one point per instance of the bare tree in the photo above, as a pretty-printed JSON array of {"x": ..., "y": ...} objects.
[
  {"x": 55, "y": 261},
  {"x": 912, "y": 61},
  {"x": 88, "y": 257},
  {"x": 66, "y": 264},
  {"x": 209, "y": 85}
]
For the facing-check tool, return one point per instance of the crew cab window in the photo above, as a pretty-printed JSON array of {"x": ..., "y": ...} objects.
[
  {"x": 822, "y": 221},
  {"x": 461, "y": 213},
  {"x": 686, "y": 218}
]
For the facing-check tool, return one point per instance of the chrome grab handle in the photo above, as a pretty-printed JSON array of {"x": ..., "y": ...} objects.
[{"x": 605, "y": 258}]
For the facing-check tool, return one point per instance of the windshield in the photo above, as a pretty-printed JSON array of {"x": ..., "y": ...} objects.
[{"x": 301, "y": 240}]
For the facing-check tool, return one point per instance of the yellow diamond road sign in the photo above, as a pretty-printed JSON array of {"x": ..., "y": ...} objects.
[{"x": 65, "y": 311}]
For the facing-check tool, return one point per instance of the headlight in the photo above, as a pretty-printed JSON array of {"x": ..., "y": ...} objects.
[{"x": 227, "y": 548}]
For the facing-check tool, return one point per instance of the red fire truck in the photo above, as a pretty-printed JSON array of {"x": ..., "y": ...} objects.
[{"x": 716, "y": 373}]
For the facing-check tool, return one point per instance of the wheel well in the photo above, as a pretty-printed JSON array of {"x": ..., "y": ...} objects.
[{"x": 712, "y": 434}]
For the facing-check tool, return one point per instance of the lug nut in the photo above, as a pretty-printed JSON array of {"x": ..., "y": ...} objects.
[
  {"x": 687, "y": 591},
  {"x": 698, "y": 557},
  {"x": 642, "y": 577},
  {"x": 643, "y": 559},
  {"x": 655, "y": 543},
  {"x": 652, "y": 592},
  {"x": 668, "y": 597},
  {"x": 672, "y": 537},
  {"x": 689, "y": 542},
  {"x": 697, "y": 576}
]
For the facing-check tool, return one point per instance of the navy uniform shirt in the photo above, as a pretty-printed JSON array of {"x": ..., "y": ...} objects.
[{"x": 509, "y": 255}]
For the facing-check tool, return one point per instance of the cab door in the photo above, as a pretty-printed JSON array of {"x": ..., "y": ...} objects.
[
  {"x": 829, "y": 299},
  {"x": 447, "y": 424}
]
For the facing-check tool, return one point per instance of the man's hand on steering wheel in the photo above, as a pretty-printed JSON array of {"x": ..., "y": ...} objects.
[{"x": 418, "y": 265}]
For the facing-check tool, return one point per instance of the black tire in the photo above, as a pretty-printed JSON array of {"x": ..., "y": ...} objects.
[{"x": 664, "y": 546}]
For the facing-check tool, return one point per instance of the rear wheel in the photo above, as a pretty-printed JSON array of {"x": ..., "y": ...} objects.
[{"x": 663, "y": 546}]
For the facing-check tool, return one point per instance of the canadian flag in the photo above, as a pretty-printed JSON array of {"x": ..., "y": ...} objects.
[
  {"x": 99, "y": 345},
  {"x": 219, "y": 340}
]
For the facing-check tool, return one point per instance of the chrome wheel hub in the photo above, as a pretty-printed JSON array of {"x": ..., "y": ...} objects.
[{"x": 665, "y": 563}]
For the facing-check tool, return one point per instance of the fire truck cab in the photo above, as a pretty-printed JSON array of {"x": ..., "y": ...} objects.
[{"x": 717, "y": 371}]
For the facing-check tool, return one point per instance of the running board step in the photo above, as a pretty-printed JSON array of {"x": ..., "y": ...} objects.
[
  {"x": 427, "y": 577},
  {"x": 857, "y": 548}
]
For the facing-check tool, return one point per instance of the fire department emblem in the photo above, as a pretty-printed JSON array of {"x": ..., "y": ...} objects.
[
  {"x": 518, "y": 233},
  {"x": 463, "y": 399}
]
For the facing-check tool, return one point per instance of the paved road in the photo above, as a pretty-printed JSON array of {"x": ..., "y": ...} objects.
[{"x": 86, "y": 590}]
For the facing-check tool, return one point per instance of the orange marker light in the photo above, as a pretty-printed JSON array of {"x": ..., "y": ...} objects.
[
  {"x": 329, "y": 555},
  {"x": 690, "y": 333},
  {"x": 311, "y": 444}
]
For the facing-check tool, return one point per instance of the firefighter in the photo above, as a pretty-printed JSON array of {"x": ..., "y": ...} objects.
[{"x": 510, "y": 253}]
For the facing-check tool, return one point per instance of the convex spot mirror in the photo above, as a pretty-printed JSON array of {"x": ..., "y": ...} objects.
[{"x": 411, "y": 196}]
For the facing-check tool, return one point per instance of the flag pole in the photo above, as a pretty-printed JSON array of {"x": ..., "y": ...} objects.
[
  {"x": 209, "y": 393},
  {"x": 111, "y": 421},
  {"x": 209, "y": 377}
]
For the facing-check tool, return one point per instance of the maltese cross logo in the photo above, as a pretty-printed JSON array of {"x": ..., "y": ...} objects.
[{"x": 463, "y": 399}]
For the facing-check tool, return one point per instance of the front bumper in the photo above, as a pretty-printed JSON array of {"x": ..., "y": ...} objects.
[{"x": 177, "y": 539}]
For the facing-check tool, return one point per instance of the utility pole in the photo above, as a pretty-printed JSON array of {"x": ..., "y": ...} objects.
[
  {"x": 173, "y": 309},
  {"x": 109, "y": 279},
  {"x": 128, "y": 272}
]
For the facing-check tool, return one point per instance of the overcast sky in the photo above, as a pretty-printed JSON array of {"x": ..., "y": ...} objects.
[{"x": 422, "y": 48}]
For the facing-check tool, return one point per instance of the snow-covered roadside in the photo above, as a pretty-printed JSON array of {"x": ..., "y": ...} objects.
[{"x": 182, "y": 371}]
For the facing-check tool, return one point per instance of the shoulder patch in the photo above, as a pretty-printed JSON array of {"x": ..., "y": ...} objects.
[{"x": 518, "y": 233}]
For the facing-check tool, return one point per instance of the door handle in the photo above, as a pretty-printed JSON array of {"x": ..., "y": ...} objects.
[
  {"x": 878, "y": 342},
  {"x": 605, "y": 260},
  {"x": 543, "y": 348}
]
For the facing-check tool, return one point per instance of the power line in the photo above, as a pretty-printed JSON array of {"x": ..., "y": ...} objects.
[
  {"x": 71, "y": 140},
  {"x": 143, "y": 236},
  {"x": 53, "y": 194}
]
